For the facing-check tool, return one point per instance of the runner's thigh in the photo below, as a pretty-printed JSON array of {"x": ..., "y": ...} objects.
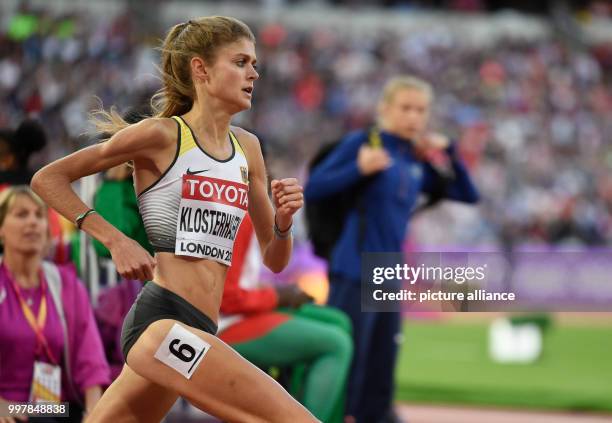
[{"x": 218, "y": 381}]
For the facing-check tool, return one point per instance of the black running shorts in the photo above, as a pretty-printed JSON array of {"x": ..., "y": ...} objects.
[{"x": 156, "y": 303}]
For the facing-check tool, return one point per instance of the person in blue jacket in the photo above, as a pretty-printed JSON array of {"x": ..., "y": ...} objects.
[{"x": 398, "y": 173}]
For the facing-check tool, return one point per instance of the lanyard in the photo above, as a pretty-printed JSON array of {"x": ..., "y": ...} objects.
[{"x": 37, "y": 324}]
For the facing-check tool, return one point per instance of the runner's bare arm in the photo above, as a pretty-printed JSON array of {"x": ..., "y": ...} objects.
[
  {"x": 137, "y": 142},
  {"x": 287, "y": 196}
]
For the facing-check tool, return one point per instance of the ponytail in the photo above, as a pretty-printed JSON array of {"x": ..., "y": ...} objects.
[{"x": 177, "y": 92}]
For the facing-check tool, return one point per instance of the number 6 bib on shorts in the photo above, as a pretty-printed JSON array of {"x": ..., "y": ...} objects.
[
  {"x": 182, "y": 350},
  {"x": 210, "y": 213}
]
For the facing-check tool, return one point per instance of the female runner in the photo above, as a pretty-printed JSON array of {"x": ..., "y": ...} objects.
[{"x": 196, "y": 177}]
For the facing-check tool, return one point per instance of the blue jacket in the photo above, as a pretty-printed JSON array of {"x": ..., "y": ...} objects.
[{"x": 389, "y": 198}]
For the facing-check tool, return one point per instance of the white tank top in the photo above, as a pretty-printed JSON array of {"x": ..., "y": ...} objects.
[{"x": 196, "y": 207}]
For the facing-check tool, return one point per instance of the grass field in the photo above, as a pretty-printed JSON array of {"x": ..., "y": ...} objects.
[{"x": 446, "y": 362}]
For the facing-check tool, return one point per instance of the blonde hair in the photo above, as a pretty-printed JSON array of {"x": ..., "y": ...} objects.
[
  {"x": 402, "y": 82},
  {"x": 200, "y": 37},
  {"x": 10, "y": 194}
]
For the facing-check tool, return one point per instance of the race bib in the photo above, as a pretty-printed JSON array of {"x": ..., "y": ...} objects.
[
  {"x": 46, "y": 383},
  {"x": 182, "y": 350},
  {"x": 210, "y": 214}
]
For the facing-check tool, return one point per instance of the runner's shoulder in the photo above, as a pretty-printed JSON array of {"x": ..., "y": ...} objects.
[
  {"x": 160, "y": 132},
  {"x": 248, "y": 141}
]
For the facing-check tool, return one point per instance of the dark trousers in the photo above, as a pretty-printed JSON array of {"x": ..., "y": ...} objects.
[{"x": 370, "y": 385}]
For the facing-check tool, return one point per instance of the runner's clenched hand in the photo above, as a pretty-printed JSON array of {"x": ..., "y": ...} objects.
[
  {"x": 131, "y": 260},
  {"x": 288, "y": 198}
]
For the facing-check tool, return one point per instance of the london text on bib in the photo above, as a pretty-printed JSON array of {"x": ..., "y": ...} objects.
[{"x": 210, "y": 214}]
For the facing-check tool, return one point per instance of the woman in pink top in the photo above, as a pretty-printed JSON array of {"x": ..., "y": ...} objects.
[{"x": 28, "y": 290}]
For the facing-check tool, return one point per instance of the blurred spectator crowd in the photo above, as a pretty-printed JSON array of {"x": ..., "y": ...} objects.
[{"x": 532, "y": 118}]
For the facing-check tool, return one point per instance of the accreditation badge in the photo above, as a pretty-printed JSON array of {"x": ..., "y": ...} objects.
[{"x": 46, "y": 383}]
